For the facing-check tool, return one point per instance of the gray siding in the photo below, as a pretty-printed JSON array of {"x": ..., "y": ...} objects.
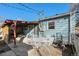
[{"x": 61, "y": 28}]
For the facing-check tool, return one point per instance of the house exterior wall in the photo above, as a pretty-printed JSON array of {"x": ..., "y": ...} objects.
[
  {"x": 74, "y": 29},
  {"x": 74, "y": 17},
  {"x": 72, "y": 23},
  {"x": 77, "y": 22},
  {"x": 61, "y": 28}
]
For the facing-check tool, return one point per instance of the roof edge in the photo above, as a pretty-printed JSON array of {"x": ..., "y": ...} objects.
[{"x": 55, "y": 17}]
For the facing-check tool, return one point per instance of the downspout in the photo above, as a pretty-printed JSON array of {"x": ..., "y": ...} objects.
[{"x": 69, "y": 30}]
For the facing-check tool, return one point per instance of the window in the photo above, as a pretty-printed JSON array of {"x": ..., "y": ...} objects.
[
  {"x": 51, "y": 25},
  {"x": 65, "y": 17}
]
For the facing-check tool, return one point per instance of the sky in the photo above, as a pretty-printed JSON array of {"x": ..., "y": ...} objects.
[{"x": 15, "y": 11}]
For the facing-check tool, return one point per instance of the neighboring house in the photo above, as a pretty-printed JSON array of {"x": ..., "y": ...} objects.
[
  {"x": 21, "y": 28},
  {"x": 55, "y": 26}
]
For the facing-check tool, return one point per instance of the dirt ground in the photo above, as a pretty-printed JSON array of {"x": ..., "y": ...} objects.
[{"x": 45, "y": 51}]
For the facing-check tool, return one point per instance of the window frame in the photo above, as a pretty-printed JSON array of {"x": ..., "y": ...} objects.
[{"x": 51, "y": 25}]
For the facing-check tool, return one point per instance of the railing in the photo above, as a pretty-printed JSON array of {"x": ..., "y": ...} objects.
[{"x": 31, "y": 33}]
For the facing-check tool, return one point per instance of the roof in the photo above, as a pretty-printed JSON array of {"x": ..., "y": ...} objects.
[
  {"x": 33, "y": 22},
  {"x": 7, "y": 21},
  {"x": 55, "y": 17}
]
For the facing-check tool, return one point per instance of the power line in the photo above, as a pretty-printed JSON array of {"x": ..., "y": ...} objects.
[
  {"x": 33, "y": 10},
  {"x": 13, "y": 7},
  {"x": 28, "y": 7},
  {"x": 38, "y": 12}
]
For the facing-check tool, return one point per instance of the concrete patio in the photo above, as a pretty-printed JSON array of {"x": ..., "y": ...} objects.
[{"x": 21, "y": 49}]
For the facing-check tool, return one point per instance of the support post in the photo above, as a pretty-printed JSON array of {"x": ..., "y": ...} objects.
[{"x": 14, "y": 33}]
